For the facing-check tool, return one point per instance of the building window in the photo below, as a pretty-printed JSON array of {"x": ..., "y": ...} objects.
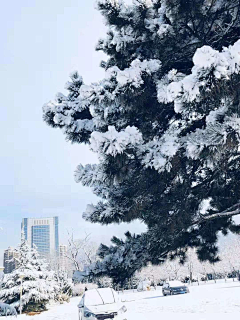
[{"x": 41, "y": 238}]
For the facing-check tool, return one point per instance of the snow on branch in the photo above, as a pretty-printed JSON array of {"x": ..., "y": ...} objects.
[
  {"x": 204, "y": 217},
  {"x": 70, "y": 112},
  {"x": 120, "y": 38},
  {"x": 180, "y": 89},
  {"x": 116, "y": 80},
  {"x": 230, "y": 212},
  {"x": 158, "y": 152},
  {"x": 93, "y": 177},
  {"x": 113, "y": 142},
  {"x": 215, "y": 133},
  {"x": 101, "y": 212}
]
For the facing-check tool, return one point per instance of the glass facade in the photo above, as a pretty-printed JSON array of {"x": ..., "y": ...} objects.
[
  {"x": 41, "y": 238},
  {"x": 43, "y": 233},
  {"x": 56, "y": 235}
]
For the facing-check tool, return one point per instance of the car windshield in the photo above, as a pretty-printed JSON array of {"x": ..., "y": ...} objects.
[
  {"x": 96, "y": 297},
  {"x": 176, "y": 284}
]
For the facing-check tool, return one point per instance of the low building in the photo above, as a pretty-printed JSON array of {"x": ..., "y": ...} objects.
[{"x": 9, "y": 260}]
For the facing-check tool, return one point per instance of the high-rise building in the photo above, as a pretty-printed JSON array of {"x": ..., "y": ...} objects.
[
  {"x": 43, "y": 233},
  {"x": 9, "y": 261}
]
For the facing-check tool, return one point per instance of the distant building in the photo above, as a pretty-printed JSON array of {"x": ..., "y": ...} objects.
[
  {"x": 63, "y": 260},
  {"x": 42, "y": 232},
  {"x": 9, "y": 261}
]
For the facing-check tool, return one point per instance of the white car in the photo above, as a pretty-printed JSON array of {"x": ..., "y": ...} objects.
[{"x": 101, "y": 304}]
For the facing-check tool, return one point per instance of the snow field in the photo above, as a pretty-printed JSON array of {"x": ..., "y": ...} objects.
[{"x": 204, "y": 302}]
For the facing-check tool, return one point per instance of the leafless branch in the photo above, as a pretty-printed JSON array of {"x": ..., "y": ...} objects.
[{"x": 80, "y": 251}]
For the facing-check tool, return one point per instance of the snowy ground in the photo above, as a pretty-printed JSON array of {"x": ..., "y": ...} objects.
[{"x": 221, "y": 300}]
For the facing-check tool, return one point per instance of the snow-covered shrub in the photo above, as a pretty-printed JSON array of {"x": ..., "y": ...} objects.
[
  {"x": 7, "y": 310},
  {"x": 132, "y": 283},
  {"x": 65, "y": 283},
  {"x": 63, "y": 298},
  {"x": 104, "y": 282},
  {"x": 32, "y": 278},
  {"x": 144, "y": 285},
  {"x": 80, "y": 288}
]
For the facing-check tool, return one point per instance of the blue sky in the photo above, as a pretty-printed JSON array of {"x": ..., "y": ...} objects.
[{"x": 42, "y": 42}]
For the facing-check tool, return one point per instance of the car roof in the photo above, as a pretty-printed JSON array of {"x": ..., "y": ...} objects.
[{"x": 101, "y": 296}]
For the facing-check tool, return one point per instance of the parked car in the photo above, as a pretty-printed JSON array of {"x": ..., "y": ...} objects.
[
  {"x": 101, "y": 304},
  {"x": 174, "y": 287}
]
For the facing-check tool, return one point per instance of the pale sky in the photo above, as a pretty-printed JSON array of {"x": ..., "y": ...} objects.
[{"x": 43, "y": 41}]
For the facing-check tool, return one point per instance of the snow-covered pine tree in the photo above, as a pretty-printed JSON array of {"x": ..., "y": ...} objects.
[
  {"x": 64, "y": 282},
  {"x": 38, "y": 284},
  {"x": 165, "y": 122}
]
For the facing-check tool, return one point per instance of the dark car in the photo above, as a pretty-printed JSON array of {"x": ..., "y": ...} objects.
[{"x": 174, "y": 287}]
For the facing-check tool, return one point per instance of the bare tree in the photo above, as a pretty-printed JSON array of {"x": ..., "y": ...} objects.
[
  {"x": 81, "y": 252},
  {"x": 230, "y": 257}
]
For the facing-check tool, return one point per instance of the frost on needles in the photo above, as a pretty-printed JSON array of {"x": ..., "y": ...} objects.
[{"x": 165, "y": 123}]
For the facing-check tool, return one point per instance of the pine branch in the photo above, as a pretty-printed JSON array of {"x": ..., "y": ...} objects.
[{"x": 230, "y": 212}]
